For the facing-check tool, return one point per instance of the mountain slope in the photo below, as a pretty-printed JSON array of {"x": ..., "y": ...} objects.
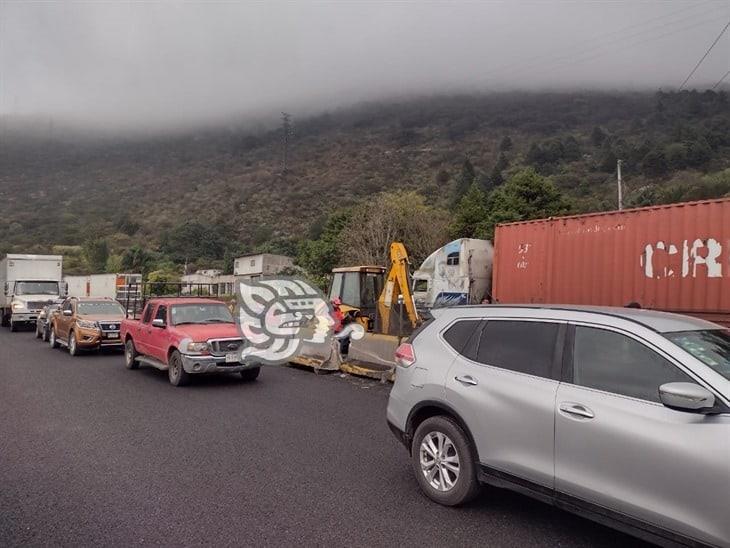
[{"x": 63, "y": 189}]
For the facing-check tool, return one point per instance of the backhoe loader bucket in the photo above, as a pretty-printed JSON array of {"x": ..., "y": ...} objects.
[
  {"x": 372, "y": 356},
  {"x": 320, "y": 357}
]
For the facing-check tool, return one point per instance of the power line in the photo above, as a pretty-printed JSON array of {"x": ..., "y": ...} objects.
[
  {"x": 287, "y": 133},
  {"x": 640, "y": 33},
  {"x": 642, "y": 29},
  {"x": 721, "y": 79},
  {"x": 705, "y": 55},
  {"x": 633, "y": 43}
]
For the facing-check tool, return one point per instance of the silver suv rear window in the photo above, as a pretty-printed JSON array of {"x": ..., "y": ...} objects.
[
  {"x": 521, "y": 346},
  {"x": 457, "y": 335}
]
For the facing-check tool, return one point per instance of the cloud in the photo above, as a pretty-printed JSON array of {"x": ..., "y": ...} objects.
[{"x": 162, "y": 64}]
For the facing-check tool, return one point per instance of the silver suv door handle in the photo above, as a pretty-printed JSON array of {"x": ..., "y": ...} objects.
[
  {"x": 467, "y": 379},
  {"x": 576, "y": 410}
]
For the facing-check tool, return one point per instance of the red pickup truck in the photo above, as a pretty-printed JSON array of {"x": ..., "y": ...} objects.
[{"x": 185, "y": 336}]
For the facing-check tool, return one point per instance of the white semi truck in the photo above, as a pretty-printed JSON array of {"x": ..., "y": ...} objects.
[
  {"x": 29, "y": 282},
  {"x": 458, "y": 273}
]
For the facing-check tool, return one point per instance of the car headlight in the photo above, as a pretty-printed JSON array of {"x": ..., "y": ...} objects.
[
  {"x": 18, "y": 305},
  {"x": 196, "y": 347},
  {"x": 87, "y": 324}
]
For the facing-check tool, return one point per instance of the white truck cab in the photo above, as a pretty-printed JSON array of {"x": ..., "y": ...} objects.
[
  {"x": 458, "y": 273},
  {"x": 29, "y": 282}
]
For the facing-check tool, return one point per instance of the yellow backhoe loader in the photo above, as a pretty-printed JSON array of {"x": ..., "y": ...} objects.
[
  {"x": 398, "y": 285},
  {"x": 382, "y": 304}
]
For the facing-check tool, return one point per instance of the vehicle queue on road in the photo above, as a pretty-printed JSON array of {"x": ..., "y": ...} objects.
[
  {"x": 521, "y": 416},
  {"x": 620, "y": 414},
  {"x": 184, "y": 336}
]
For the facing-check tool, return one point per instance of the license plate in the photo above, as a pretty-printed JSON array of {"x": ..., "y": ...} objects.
[
  {"x": 112, "y": 335},
  {"x": 232, "y": 357}
]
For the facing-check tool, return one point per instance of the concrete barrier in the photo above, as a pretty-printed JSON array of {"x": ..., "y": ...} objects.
[
  {"x": 372, "y": 356},
  {"x": 318, "y": 356}
]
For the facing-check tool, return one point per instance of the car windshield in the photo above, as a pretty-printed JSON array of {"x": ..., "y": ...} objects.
[
  {"x": 101, "y": 308},
  {"x": 200, "y": 313},
  {"x": 36, "y": 288},
  {"x": 710, "y": 346}
]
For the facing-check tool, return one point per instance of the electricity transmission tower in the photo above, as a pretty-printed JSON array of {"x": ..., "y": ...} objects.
[
  {"x": 620, "y": 184},
  {"x": 287, "y": 129}
]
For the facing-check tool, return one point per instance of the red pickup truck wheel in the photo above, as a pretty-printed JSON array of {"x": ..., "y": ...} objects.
[
  {"x": 130, "y": 355},
  {"x": 178, "y": 375}
]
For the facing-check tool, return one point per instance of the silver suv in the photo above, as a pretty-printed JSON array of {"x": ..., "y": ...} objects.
[{"x": 621, "y": 415}]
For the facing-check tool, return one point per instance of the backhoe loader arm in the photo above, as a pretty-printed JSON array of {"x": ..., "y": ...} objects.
[{"x": 397, "y": 283}]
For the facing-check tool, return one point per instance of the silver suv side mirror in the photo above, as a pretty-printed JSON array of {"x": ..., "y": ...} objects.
[
  {"x": 157, "y": 322},
  {"x": 686, "y": 396}
]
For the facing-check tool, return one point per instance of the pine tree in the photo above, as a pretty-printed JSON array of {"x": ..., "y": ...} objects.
[
  {"x": 496, "y": 176},
  {"x": 502, "y": 162},
  {"x": 598, "y": 136},
  {"x": 470, "y": 214},
  {"x": 526, "y": 195},
  {"x": 96, "y": 253},
  {"x": 464, "y": 181},
  {"x": 654, "y": 163},
  {"x": 608, "y": 158}
]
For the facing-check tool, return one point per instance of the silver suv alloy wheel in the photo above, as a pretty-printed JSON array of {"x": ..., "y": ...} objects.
[{"x": 439, "y": 461}]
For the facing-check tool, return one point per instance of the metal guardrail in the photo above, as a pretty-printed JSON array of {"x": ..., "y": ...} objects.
[{"x": 139, "y": 293}]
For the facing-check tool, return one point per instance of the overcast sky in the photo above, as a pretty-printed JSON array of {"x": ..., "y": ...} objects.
[{"x": 168, "y": 63}]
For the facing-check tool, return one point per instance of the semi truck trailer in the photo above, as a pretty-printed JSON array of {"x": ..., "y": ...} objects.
[
  {"x": 674, "y": 258},
  {"x": 121, "y": 287}
]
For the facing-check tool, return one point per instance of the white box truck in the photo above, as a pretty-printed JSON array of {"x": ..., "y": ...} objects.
[
  {"x": 115, "y": 286},
  {"x": 29, "y": 282}
]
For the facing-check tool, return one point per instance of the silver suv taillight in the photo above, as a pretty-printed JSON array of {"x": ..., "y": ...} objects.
[{"x": 405, "y": 356}]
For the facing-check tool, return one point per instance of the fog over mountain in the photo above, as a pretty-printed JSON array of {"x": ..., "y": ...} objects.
[{"x": 162, "y": 65}]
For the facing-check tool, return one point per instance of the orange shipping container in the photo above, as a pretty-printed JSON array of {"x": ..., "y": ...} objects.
[{"x": 674, "y": 258}]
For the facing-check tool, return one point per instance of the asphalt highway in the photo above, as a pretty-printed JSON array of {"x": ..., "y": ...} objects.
[{"x": 94, "y": 454}]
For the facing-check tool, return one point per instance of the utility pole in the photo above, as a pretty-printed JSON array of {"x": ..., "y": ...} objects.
[
  {"x": 620, "y": 186},
  {"x": 287, "y": 133}
]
